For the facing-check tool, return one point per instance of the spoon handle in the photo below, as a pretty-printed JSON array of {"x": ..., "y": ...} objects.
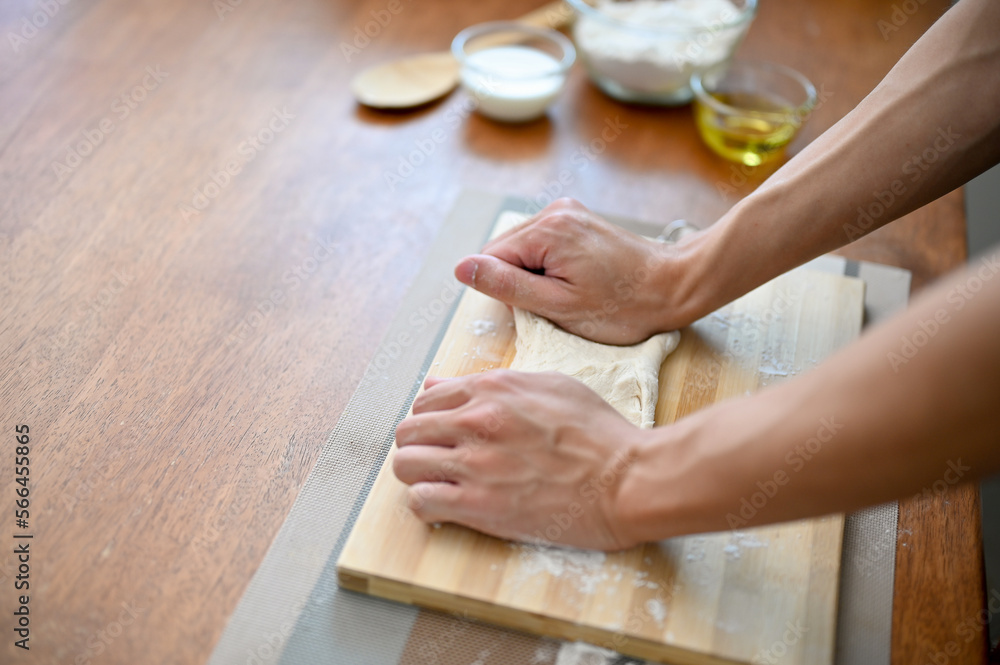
[{"x": 552, "y": 15}]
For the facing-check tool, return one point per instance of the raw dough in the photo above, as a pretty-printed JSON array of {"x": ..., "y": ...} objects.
[{"x": 627, "y": 377}]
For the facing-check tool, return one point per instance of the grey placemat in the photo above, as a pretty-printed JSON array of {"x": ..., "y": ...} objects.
[{"x": 294, "y": 613}]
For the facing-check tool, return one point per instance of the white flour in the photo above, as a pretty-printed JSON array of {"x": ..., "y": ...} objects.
[
  {"x": 584, "y": 568},
  {"x": 481, "y": 327},
  {"x": 650, "y": 62},
  {"x": 580, "y": 653},
  {"x": 656, "y": 609}
]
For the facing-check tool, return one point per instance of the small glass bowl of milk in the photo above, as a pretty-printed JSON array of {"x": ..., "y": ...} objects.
[{"x": 513, "y": 72}]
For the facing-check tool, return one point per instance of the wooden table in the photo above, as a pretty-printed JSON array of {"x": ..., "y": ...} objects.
[{"x": 180, "y": 339}]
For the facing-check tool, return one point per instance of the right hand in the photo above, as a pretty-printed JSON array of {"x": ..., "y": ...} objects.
[
  {"x": 537, "y": 457},
  {"x": 590, "y": 277}
]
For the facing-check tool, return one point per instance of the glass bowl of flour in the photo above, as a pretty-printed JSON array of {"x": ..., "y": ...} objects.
[{"x": 645, "y": 51}]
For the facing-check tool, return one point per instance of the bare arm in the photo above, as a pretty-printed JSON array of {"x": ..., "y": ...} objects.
[
  {"x": 910, "y": 404},
  {"x": 931, "y": 125},
  {"x": 913, "y": 403}
]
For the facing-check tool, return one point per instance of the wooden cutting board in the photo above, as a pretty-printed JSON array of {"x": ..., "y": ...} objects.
[{"x": 754, "y": 595}]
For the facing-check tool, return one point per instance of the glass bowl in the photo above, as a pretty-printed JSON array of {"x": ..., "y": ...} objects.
[
  {"x": 645, "y": 51},
  {"x": 512, "y": 72},
  {"x": 749, "y": 111}
]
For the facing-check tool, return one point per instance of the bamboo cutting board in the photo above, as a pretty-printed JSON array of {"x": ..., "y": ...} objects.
[{"x": 755, "y": 595}]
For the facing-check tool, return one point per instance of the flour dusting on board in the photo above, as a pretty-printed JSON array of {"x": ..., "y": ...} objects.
[
  {"x": 584, "y": 569},
  {"x": 481, "y": 327},
  {"x": 656, "y": 609},
  {"x": 740, "y": 541}
]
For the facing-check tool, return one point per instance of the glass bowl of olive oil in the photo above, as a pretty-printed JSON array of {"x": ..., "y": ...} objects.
[{"x": 749, "y": 111}]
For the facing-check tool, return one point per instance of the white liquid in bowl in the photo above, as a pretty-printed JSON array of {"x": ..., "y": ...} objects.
[{"x": 512, "y": 83}]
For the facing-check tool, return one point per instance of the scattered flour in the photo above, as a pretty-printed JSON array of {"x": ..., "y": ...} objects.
[
  {"x": 579, "y": 653},
  {"x": 695, "y": 550},
  {"x": 691, "y": 37},
  {"x": 656, "y": 609},
  {"x": 583, "y": 568},
  {"x": 545, "y": 653},
  {"x": 481, "y": 327},
  {"x": 740, "y": 541}
]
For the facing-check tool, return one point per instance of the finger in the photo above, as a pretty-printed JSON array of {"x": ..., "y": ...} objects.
[
  {"x": 514, "y": 230},
  {"x": 506, "y": 282},
  {"x": 442, "y": 395},
  {"x": 415, "y": 464},
  {"x": 432, "y": 381},
  {"x": 435, "y": 502},
  {"x": 559, "y": 205},
  {"x": 429, "y": 429},
  {"x": 527, "y": 248}
]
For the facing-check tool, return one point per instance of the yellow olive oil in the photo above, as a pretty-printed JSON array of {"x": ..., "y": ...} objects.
[{"x": 755, "y": 131}]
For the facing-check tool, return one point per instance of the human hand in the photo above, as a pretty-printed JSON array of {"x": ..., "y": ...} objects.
[
  {"x": 524, "y": 456},
  {"x": 588, "y": 276}
]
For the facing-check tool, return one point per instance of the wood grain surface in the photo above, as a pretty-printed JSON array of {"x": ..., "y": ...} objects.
[
  {"x": 700, "y": 600},
  {"x": 181, "y": 370}
]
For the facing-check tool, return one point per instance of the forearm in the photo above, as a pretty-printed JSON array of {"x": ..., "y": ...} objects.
[
  {"x": 910, "y": 404},
  {"x": 931, "y": 125}
]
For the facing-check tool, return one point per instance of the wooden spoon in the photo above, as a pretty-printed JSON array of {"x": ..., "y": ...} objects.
[{"x": 420, "y": 79}]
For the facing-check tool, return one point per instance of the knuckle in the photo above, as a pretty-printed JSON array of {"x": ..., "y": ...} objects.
[
  {"x": 467, "y": 420},
  {"x": 400, "y": 467},
  {"x": 497, "y": 380},
  {"x": 560, "y": 221},
  {"x": 567, "y": 202},
  {"x": 403, "y": 433},
  {"x": 483, "y": 462},
  {"x": 505, "y": 283},
  {"x": 416, "y": 501}
]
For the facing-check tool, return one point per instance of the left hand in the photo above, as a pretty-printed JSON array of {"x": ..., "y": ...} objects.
[{"x": 524, "y": 456}]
